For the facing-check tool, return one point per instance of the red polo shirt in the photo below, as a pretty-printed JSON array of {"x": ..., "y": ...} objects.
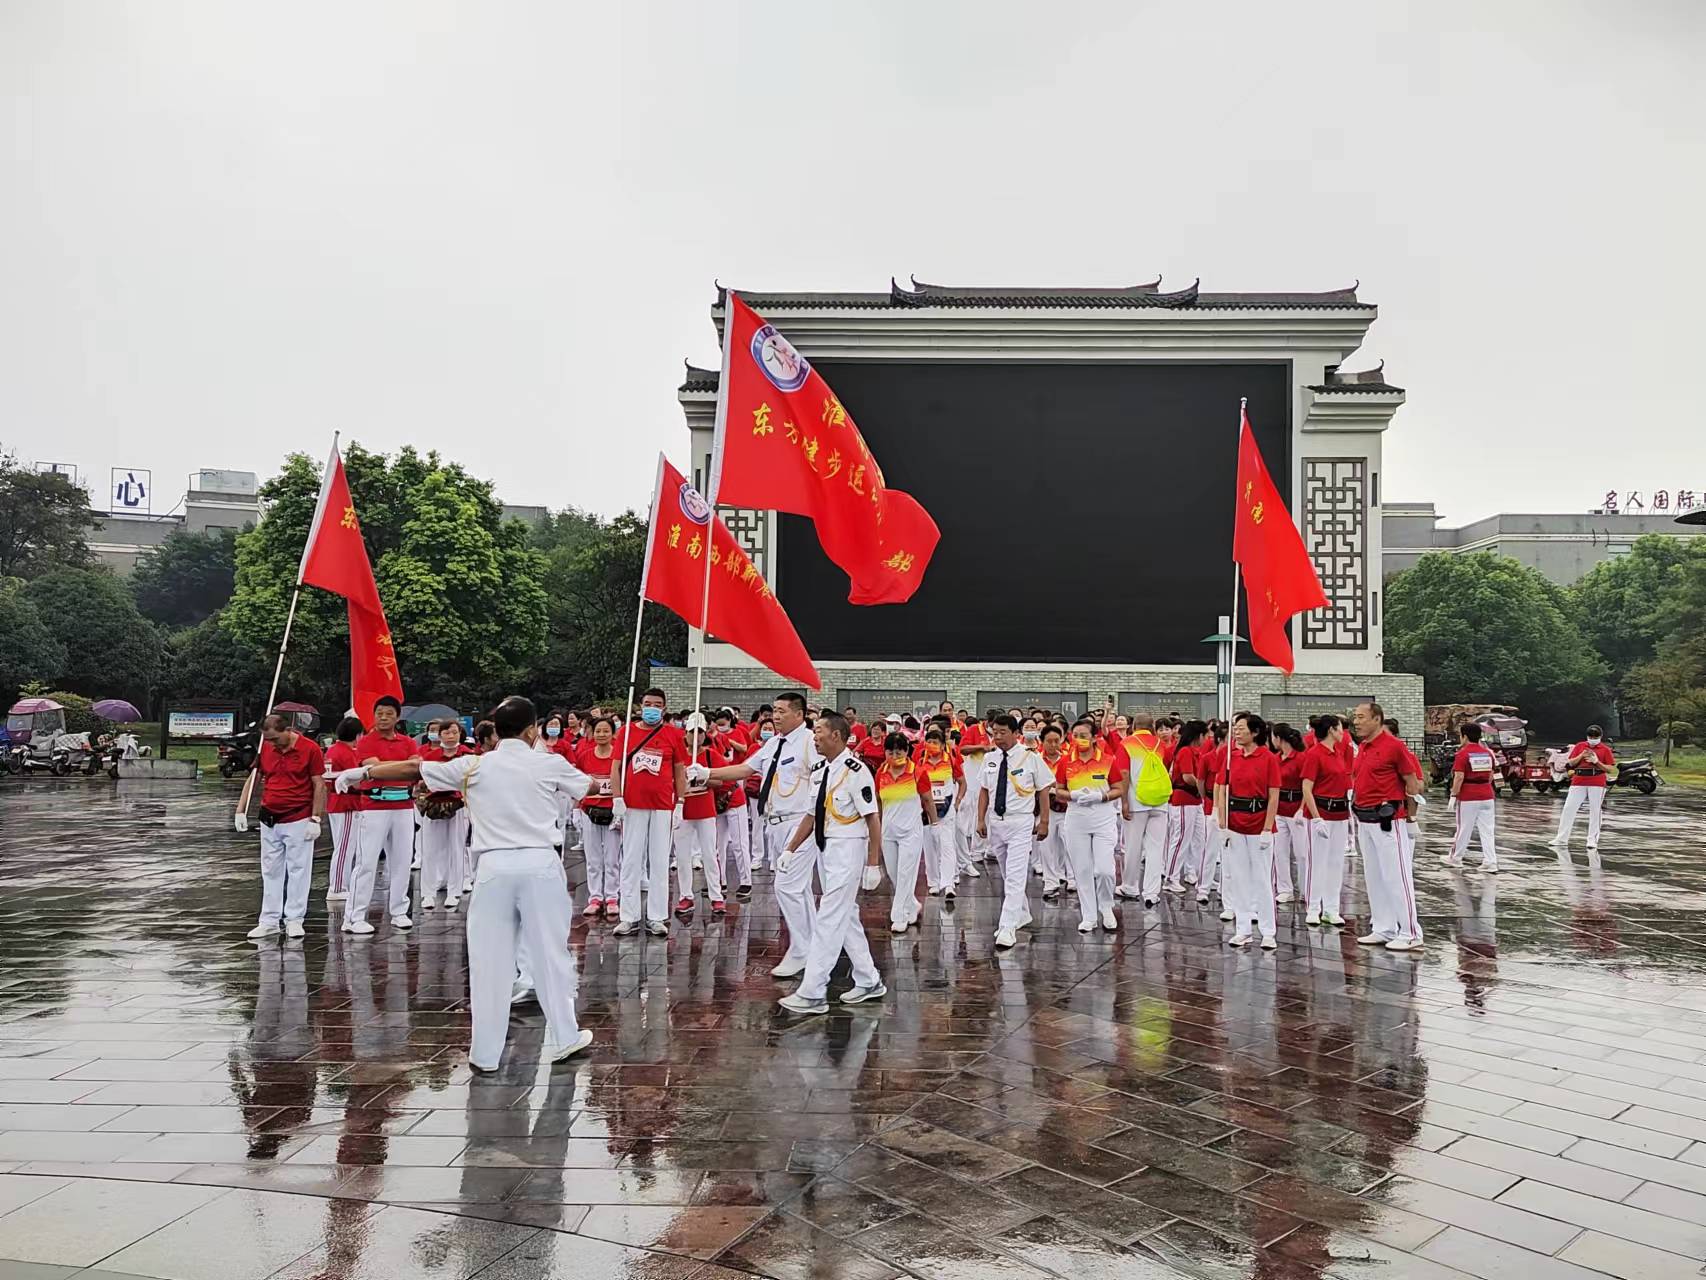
[
  {"x": 1184, "y": 761},
  {"x": 287, "y": 786},
  {"x": 1380, "y": 768},
  {"x": 1329, "y": 777},
  {"x": 1252, "y": 777},
  {"x": 1291, "y": 779},
  {"x": 1602, "y": 754},
  {"x": 1211, "y": 764},
  {"x": 341, "y": 756},
  {"x": 371, "y": 746},
  {"x": 1475, "y": 762}
]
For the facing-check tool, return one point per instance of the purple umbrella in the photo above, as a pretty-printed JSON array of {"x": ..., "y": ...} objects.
[
  {"x": 29, "y": 706},
  {"x": 117, "y": 710}
]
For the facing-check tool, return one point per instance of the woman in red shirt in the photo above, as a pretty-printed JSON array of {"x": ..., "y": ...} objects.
[
  {"x": 599, "y": 836},
  {"x": 444, "y": 827},
  {"x": 1326, "y": 801},
  {"x": 343, "y": 809},
  {"x": 1184, "y": 809},
  {"x": 1291, "y": 832},
  {"x": 1211, "y": 764},
  {"x": 697, "y": 840},
  {"x": 1247, "y": 799}
]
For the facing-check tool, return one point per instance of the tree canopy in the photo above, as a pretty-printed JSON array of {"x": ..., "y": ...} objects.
[
  {"x": 1625, "y": 606},
  {"x": 188, "y": 577},
  {"x": 29, "y": 651},
  {"x": 462, "y": 587},
  {"x": 111, "y": 650},
  {"x": 44, "y": 521}
]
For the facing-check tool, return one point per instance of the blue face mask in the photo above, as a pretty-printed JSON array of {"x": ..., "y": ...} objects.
[
  {"x": 652, "y": 715},
  {"x": 552, "y": 731},
  {"x": 766, "y": 734}
]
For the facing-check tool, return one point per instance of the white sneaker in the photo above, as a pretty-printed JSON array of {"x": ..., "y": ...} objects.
[
  {"x": 1312, "y": 918},
  {"x": 1490, "y": 868},
  {"x": 468, "y": 885},
  {"x": 1269, "y": 942},
  {"x": 1226, "y": 917},
  {"x": 858, "y": 995},
  {"x": 1005, "y": 938},
  {"x": 1072, "y": 886},
  {"x": 1404, "y": 944},
  {"x": 359, "y": 927},
  {"x": 1371, "y": 940},
  {"x": 416, "y": 864},
  {"x": 971, "y": 870},
  {"x": 263, "y": 931},
  {"x": 294, "y": 929},
  {"x": 335, "y": 897},
  {"x": 429, "y": 905},
  {"x": 898, "y": 929},
  {"x": 789, "y": 970},
  {"x": 1286, "y": 898},
  {"x": 1239, "y": 940},
  {"x": 521, "y": 992},
  {"x": 450, "y": 904},
  {"x": 402, "y": 922},
  {"x": 1086, "y": 926},
  {"x": 1202, "y": 899},
  {"x": 1333, "y": 918},
  {"x": 795, "y": 1004},
  {"x": 1109, "y": 921},
  {"x": 582, "y": 1041}
]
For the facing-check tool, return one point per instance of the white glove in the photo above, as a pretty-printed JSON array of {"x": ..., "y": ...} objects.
[
  {"x": 241, "y": 822},
  {"x": 698, "y": 775},
  {"x": 1089, "y": 796},
  {"x": 619, "y": 807},
  {"x": 348, "y": 779},
  {"x": 873, "y": 878},
  {"x": 675, "y": 819},
  {"x": 1265, "y": 841},
  {"x": 1451, "y": 803},
  {"x": 1421, "y": 800},
  {"x": 313, "y": 828},
  {"x": 785, "y": 863}
]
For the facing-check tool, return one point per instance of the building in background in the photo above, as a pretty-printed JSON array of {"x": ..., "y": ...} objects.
[
  {"x": 214, "y": 500},
  {"x": 1562, "y": 547}
]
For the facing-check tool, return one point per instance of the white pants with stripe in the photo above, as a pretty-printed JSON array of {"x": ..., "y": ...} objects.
[
  {"x": 1184, "y": 832},
  {"x": 1388, "y": 868},
  {"x": 734, "y": 833},
  {"x": 1213, "y": 848},
  {"x": 1324, "y": 866},
  {"x": 1051, "y": 853},
  {"x": 699, "y": 840},
  {"x": 1291, "y": 844},
  {"x": 344, "y": 837},
  {"x": 1594, "y": 798},
  {"x": 391, "y": 832},
  {"x": 1475, "y": 817}
]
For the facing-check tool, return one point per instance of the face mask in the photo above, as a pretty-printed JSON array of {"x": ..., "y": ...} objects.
[
  {"x": 653, "y": 716},
  {"x": 1593, "y": 742},
  {"x": 766, "y": 734},
  {"x": 1031, "y": 735},
  {"x": 450, "y": 744},
  {"x": 552, "y": 731}
]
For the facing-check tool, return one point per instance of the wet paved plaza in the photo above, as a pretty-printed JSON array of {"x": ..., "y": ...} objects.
[{"x": 1525, "y": 1099}]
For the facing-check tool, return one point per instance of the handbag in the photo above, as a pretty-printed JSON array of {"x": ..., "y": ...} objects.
[{"x": 601, "y": 815}]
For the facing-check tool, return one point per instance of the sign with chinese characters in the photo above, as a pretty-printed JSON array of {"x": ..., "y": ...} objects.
[
  {"x": 1192, "y": 706},
  {"x": 133, "y": 490},
  {"x": 1070, "y": 705},
  {"x": 201, "y": 724},
  {"x": 1642, "y": 502},
  {"x": 884, "y": 702}
]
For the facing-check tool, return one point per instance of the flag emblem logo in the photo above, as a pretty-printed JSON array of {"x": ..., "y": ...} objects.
[
  {"x": 693, "y": 504},
  {"x": 786, "y": 368}
]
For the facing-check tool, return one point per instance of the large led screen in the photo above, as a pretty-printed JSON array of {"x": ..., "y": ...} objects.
[{"x": 1085, "y": 509}]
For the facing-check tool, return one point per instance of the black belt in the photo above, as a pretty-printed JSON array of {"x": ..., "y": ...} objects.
[
  {"x": 1247, "y": 804},
  {"x": 1190, "y": 787},
  {"x": 1334, "y": 804},
  {"x": 1291, "y": 797},
  {"x": 1381, "y": 813}
]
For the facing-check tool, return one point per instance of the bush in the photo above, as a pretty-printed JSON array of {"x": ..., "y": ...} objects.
[
  {"x": 1679, "y": 732},
  {"x": 78, "y": 717}
]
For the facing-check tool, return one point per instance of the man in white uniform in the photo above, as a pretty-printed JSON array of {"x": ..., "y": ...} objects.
[
  {"x": 785, "y": 765},
  {"x": 843, "y": 837},
  {"x": 520, "y": 892},
  {"x": 1013, "y": 813}
]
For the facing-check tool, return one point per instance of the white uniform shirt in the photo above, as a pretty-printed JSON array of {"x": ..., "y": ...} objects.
[
  {"x": 796, "y": 756},
  {"x": 511, "y": 792},
  {"x": 1027, "y": 774},
  {"x": 852, "y": 795}
]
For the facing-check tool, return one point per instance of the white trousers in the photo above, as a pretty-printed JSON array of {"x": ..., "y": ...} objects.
[
  {"x": 1388, "y": 868},
  {"x": 1476, "y": 816},
  {"x": 391, "y": 832},
  {"x": 734, "y": 834},
  {"x": 971, "y": 846},
  {"x": 603, "y": 861},
  {"x": 699, "y": 840},
  {"x": 1324, "y": 865},
  {"x": 901, "y": 855},
  {"x": 1291, "y": 845},
  {"x": 520, "y": 897},
  {"x": 794, "y": 886},
  {"x": 344, "y": 837},
  {"x": 444, "y": 854},
  {"x": 941, "y": 856},
  {"x": 1090, "y": 848},
  {"x": 646, "y": 838},
  {"x": 1247, "y": 889},
  {"x": 1051, "y": 853},
  {"x": 1213, "y": 848},
  {"x": 1010, "y": 840},
  {"x": 287, "y": 865},
  {"x": 1594, "y": 798},
  {"x": 1145, "y": 850},
  {"x": 1184, "y": 836},
  {"x": 841, "y": 864}
]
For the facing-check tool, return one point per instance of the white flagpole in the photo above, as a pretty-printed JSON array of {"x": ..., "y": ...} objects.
[
  {"x": 1232, "y": 670},
  {"x": 290, "y": 616},
  {"x": 639, "y": 618},
  {"x": 713, "y": 481}
]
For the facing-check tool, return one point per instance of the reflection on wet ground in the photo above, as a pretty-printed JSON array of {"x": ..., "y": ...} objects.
[{"x": 1525, "y": 1099}]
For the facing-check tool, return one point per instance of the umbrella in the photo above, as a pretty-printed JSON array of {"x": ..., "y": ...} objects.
[
  {"x": 296, "y": 706},
  {"x": 117, "y": 710},
  {"x": 431, "y": 711},
  {"x": 29, "y": 706}
]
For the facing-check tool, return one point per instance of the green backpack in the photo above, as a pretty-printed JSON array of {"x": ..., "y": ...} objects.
[{"x": 1153, "y": 784}]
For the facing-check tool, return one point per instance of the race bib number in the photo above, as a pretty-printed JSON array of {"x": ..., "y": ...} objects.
[
  {"x": 938, "y": 792},
  {"x": 648, "y": 762},
  {"x": 1480, "y": 762},
  {"x": 604, "y": 786}
]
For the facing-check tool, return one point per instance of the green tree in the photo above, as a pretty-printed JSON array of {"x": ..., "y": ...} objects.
[
  {"x": 461, "y": 586},
  {"x": 188, "y": 577},
  {"x": 1484, "y": 628},
  {"x": 207, "y": 661},
  {"x": 111, "y": 650},
  {"x": 28, "y": 649},
  {"x": 1622, "y": 603},
  {"x": 44, "y": 520},
  {"x": 1666, "y": 688}
]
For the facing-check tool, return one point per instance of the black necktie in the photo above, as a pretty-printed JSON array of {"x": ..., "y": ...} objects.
[
  {"x": 820, "y": 814},
  {"x": 1001, "y": 789},
  {"x": 770, "y": 776}
]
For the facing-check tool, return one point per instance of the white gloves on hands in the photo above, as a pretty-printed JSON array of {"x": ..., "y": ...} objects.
[
  {"x": 698, "y": 774},
  {"x": 675, "y": 819},
  {"x": 240, "y": 822},
  {"x": 1451, "y": 803},
  {"x": 785, "y": 863},
  {"x": 873, "y": 878},
  {"x": 619, "y": 807},
  {"x": 1421, "y": 800},
  {"x": 1089, "y": 795},
  {"x": 313, "y": 828},
  {"x": 348, "y": 779}
]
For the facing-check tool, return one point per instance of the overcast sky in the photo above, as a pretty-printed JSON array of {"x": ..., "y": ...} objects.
[{"x": 492, "y": 228}]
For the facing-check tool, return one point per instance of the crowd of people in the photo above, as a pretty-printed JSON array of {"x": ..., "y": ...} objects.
[{"x": 676, "y": 809}]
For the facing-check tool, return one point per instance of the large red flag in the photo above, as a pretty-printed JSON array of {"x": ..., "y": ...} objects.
[
  {"x": 743, "y": 609},
  {"x": 785, "y": 443},
  {"x": 335, "y": 559},
  {"x": 1279, "y": 578}
]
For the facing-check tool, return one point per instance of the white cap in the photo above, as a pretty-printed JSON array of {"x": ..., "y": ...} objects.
[{"x": 695, "y": 721}]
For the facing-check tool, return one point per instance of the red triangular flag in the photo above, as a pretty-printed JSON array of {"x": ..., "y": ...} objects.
[
  {"x": 335, "y": 557},
  {"x": 743, "y": 610},
  {"x": 785, "y": 443},
  {"x": 1279, "y": 578},
  {"x": 372, "y": 664}
]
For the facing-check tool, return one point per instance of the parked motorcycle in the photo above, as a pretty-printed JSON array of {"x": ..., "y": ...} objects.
[
  {"x": 1637, "y": 773},
  {"x": 237, "y": 753}
]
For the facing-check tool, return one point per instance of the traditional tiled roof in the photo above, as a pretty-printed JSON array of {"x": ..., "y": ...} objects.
[
  {"x": 698, "y": 379},
  {"x": 1362, "y": 382},
  {"x": 1126, "y": 297}
]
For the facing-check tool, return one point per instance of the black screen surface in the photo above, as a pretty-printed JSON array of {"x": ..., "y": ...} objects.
[{"x": 1085, "y": 509}]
